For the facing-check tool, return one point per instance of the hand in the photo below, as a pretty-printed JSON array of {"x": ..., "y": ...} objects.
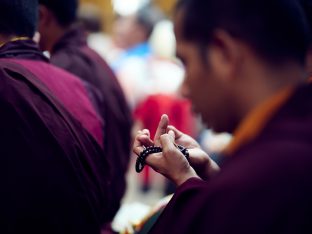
[
  {"x": 143, "y": 137},
  {"x": 161, "y": 129},
  {"x": 171, "y": 162},
  {"x": 141, "y": 141},
  {"x": 204, "y": 166},
  {"x": 199, "y": 160}
]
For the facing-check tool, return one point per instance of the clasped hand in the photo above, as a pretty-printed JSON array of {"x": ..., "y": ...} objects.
[{"x": 171, "y": 162}]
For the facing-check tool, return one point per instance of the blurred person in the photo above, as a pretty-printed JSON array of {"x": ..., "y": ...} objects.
[
  {"x": 132, "y": 32},
  {"x": 150, "y": 81},
  {"x": 56, "y": 179},
  {"x": 162, "y": 39},
  {"x": 246, "y": 79},
  {"x": 133, "y": 63},
  {"x": 66, "y": 42},
  {"x": 90, "y": 17}
]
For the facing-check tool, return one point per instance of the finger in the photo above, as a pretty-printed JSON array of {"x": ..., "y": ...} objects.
[
  {"x": 145, "y": 140},
  {"x": 171, "y": 135},
  {"x": 137, "y": 148},
  {"x": 161, "y": 129},
  {"x": 183, "y": 139},
  {"x": 146, "y": 132},
  {"x": 143, "y": 132},
  {"x": 167, "y": 142},
  {"x": 177, "y": 132},
  {"x": 139, "y": 142}
]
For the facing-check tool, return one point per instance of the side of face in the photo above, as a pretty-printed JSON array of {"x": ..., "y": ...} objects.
[
  {"x": 46, "y": 28},
  {"x": 207, "y": 81},
  {"x": 202, "y": 87}
]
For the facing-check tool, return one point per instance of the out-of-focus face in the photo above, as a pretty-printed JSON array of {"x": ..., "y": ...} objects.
[
  {"x": 121, "y": 32},
  {"x": 127, "y": 33},
  {"x": 48, "y": 28},
  {"x": 203, "y": 84},
  {"x": 43, "y": 41}
]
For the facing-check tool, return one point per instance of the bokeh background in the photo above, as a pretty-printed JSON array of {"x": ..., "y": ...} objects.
[{"x": 151, "y": 80}]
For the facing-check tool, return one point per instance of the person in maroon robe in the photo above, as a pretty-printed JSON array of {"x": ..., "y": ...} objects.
[
  {"x": 244, "y": 64},
  {"x": 68, "y": 47},
  {"x": 53, "y": 176}
]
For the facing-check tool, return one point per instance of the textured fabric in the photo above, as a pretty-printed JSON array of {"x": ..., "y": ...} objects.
[
  {"x": 66, "y": 89},
  {"x": 72, "y": 54},
  {"x": 264, "y": 187},
  {"x": 55, "y": 177}
]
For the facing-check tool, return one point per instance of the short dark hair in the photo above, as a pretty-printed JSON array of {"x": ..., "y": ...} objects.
[
  {"x": 275, "y": 29},
  {"x": 90, "y": 18},
  {"x": 65, "y": 11},
  {"x": 18, "y": 17}
]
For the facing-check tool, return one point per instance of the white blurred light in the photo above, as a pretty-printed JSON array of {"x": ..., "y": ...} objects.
[
  {"x": 128, "y": 7},
  {"x": 163, "y": 40}
]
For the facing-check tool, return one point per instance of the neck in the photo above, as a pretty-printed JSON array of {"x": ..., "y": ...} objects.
[
  {"x": 264, "y": 84},
  {"x": 54, "y": 37}
]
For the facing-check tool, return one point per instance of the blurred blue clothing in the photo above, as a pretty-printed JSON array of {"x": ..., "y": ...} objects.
[{"x": 142, "y": 50}]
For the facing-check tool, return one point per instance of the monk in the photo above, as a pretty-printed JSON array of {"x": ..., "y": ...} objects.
[
  {"x": 56, "y": 179},
  {"x": 245, "y": 74},
  {"x": 66, "y": 41}
]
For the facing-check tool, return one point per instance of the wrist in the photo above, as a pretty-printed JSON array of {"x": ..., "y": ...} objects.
[
  {"x": 211, "y": 169},
  {"x": 183, "y": 177}
]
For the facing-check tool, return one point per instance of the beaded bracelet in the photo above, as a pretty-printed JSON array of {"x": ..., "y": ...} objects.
[{"x": 140, "y": 162}]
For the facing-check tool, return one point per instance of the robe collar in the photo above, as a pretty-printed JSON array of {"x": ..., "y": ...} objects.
[
  {"x": 253, "y": 124},
  {"x": 75, "y": 36},
  {"x": 22, "y": 48}
]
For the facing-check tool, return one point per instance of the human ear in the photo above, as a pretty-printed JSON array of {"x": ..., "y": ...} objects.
[
  {"x": 225, "y": 55},
  {"x": 45, "y": 17},
  {"x": 42, "y": 16}
]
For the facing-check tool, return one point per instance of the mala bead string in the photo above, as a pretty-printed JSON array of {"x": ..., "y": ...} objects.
[{"x": 140, "y": 162}]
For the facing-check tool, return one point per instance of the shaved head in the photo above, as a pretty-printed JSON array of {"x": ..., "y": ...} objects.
[{"x": 18, "y": 17}]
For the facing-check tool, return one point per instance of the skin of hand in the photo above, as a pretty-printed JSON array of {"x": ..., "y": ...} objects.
[
  {"x": 166, "y": 137},
  {"x": 144, "y": 135},
  {"x": 204, "y": 166},
  {"x": 171, "y": 162}
]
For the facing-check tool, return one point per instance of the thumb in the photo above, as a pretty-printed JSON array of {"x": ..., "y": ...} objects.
[
  {"x": 177, "y": 132},
  {"x": 167, "y": 141},
  {"x": 171, "y": 135},
  {"x": 161, "y": 129}
]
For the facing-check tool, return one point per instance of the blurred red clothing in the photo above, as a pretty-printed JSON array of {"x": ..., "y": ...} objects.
[{"x": 178, "y": 110}]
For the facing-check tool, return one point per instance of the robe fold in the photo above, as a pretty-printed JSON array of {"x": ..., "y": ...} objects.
[
  {"x": 263, "y": 187},
  {"x": 72, "y": 54},
  {"x": 56, "y": 179}
]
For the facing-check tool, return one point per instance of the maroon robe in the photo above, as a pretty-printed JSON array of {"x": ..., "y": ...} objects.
[
  {"x": 72, "y": 54},
  {"x": 55, "y": 176},
  {"x": 265, "y": 187}
]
